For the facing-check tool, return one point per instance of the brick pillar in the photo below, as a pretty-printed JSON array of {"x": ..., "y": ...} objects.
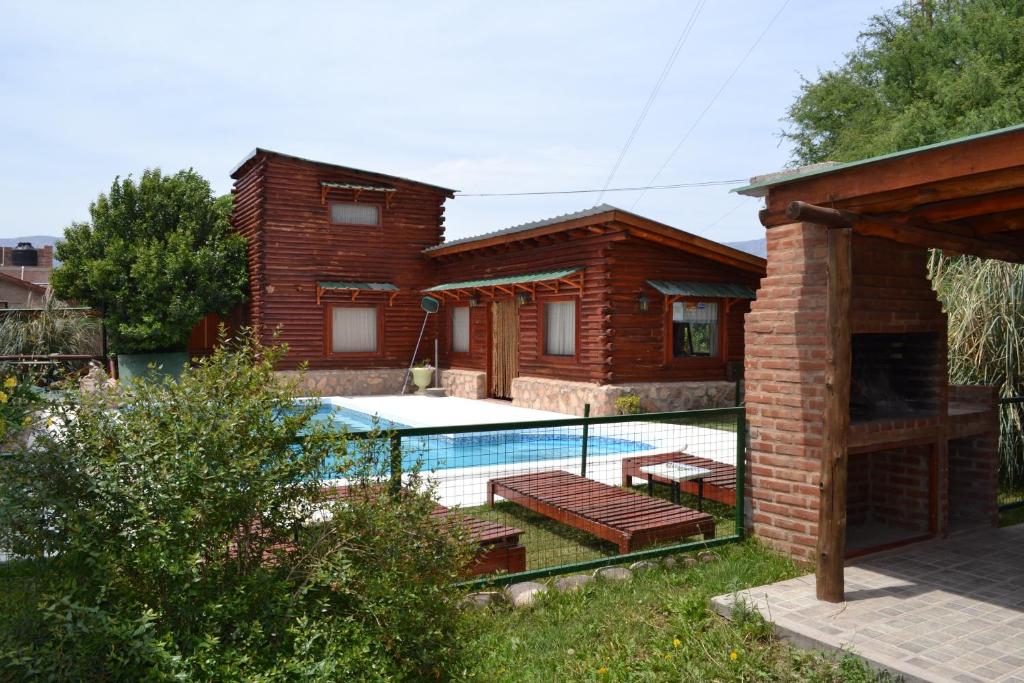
[{"x": 784, "y": 375}]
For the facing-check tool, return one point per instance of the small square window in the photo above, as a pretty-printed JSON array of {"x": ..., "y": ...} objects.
[
  {"x": 354, "y": 329},
  {"x": 694, "y": 329},
  {"x": 460, "y": 329},
  {"x": 352, "y": 213}
]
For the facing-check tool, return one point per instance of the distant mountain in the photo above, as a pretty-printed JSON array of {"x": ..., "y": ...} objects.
[{"x": 755, "y": 247}]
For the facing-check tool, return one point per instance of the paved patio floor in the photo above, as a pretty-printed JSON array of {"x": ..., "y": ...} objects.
[{"x": 947, "y": 610}]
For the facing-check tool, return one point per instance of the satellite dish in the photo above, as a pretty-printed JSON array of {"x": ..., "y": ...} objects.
[{"x": 430, "y": 304}]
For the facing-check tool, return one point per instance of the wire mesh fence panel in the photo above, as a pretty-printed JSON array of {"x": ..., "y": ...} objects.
[
  {"x": 552, "y": 496},
  {"x": 1011, "y": 459}
]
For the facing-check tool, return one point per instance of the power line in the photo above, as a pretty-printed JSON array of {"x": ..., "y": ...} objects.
[
  {"x": 644, "y": 188},
  {"x": 654, "y": 94},
  {"x": 724, "y": 215},
  {"x": 725, "y": 84}
]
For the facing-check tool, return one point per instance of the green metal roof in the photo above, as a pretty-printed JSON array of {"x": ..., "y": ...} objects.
[
  {"x": 361, "y": 286},
  {"x": 710, "y": 290},
  {"x": 759, "y": 188},
  {"x": 508, "y": 280}
]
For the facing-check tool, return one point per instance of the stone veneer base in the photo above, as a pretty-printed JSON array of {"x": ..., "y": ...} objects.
[
  {"x": 561, "y": 396},
  {"x": 372, "y": 382}
]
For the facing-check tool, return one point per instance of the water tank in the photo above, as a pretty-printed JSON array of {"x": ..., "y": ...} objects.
[{"x": 24, "y": 255}]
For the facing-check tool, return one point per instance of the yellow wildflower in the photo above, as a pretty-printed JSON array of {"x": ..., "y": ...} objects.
[
  {"x": 10, "y": 382},
  {"x": 602, "y": 671},
  {"x": 734, "y": 655},
  {"x": 3, "y": 397},
  {"x": 26, "y": 421},
  {"x": 676, "y": 642}
]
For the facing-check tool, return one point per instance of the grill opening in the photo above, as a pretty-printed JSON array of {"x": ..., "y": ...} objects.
[{"x": 894, "y": 376}]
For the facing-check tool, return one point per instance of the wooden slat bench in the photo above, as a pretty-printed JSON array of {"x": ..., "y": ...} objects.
[
  {"x": 720, "y": 486},
  {"x": 628, "y": 519},
  {"x": 500, "y": 549}
]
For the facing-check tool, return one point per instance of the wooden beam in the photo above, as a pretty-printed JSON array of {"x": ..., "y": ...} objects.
[
  {"x": 934, "y": 236},
  {"x": 970, "y": 207},
  {"x": 832, "y": 504}
]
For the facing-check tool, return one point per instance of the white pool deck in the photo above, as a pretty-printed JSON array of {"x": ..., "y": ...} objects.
[{"x": 467, "y": 486}]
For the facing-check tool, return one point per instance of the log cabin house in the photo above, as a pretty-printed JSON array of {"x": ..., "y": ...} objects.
[{"x": 582, "y": 308}]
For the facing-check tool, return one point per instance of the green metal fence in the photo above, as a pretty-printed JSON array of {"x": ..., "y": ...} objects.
[
  {"x": 1011, "y": 454},
  {"x": 557, "y": 496}
]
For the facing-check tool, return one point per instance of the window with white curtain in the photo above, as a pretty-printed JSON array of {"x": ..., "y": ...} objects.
[
  {"x": 694, "y": 329},
  {"x": 460, "y": 329},
  {"x": 352, "y": 213},
  {"x": 560, "y": 328},
  {"x": 354, "y": 329}
]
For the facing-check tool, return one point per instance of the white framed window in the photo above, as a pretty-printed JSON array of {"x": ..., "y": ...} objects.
[
  {"x": 694, "y": 329},
  {"x": 353, "y": 213},
  {"x": 354, "y": 329},
  {"x": 560, "y": 328},
  {"x": 460, "y": 329}
]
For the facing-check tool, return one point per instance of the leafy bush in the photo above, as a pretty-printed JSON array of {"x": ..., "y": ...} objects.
[
  {"x": 628, "y": 404},
  {"x": 177, "y": 530},
  {"x": 156, "y": 257}
]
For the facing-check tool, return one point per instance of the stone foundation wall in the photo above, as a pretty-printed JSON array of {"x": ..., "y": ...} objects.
[
  {"x": 373, "y": 382},
  {"x": 569, "y": 397},
  {"x": 464, "y": 383}
]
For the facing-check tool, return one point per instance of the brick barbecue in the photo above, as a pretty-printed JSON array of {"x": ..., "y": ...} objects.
[{"x": 922, "y": 455}]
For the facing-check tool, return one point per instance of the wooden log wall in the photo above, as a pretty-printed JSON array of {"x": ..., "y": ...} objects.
[
  {"x": 293, "y": 245},
  {"x": 640, "y": 338},
  {"x": 554, "y": 252}
]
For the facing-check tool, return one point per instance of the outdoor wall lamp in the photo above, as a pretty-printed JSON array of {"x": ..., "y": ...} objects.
[
  {"x": 523, "y": 298},
  {"x": 474, "y": 300},
  {"x": 643, "y": 302}
]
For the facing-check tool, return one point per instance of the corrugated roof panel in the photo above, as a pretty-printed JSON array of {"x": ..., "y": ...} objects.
[
  {"x": 711, "y": 290},
  {"x": 508, "y": 280},
  {"x": 361, "y": 286},
  {"x": 523, "y": 227}
]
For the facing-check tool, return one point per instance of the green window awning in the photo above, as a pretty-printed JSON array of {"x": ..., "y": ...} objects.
[
  {"x": 566, "y": 274},
  {"x": 706, "y": 290},
  {"x": 356, "y": 287}
]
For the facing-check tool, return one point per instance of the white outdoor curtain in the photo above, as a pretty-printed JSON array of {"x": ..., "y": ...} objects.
[
  {"x": 560, "y": 328},
  {"x": 353, "y": 329},
  {"x": 355, "y": 214},
  {"x": 460, "y": 329},
  {"x": 699, "y": 315}
]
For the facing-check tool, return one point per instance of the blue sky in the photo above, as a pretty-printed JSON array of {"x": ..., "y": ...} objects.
[{"x": 483, "y": 97}]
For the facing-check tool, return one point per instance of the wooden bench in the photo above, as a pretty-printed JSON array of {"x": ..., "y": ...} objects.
[
  {"x": 628, "y": 519},
  {"x": 719, "y": 486}
]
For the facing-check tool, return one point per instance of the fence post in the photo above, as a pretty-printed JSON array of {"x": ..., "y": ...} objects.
[
  {"x": 586, "y": 438},
  {"x": 395, "y": 485},
  {"x": 741, "y": 465}
]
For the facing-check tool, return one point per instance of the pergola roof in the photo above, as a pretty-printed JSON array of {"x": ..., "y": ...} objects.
[
  {"x": 962, "y": 196},
  {"x": 711, "y": 290},
  {"x": 551, "y": 280},
  {"x": 355, "y": 288}
]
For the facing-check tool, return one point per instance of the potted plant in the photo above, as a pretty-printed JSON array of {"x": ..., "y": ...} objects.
[
  {"x": 155, "y": 257},
  {"x": 422, "y": 376}
]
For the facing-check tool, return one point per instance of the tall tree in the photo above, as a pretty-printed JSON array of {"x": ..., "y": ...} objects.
[
  {"x": 924, "y": 72},
  {"x": 156, "y": 256}
]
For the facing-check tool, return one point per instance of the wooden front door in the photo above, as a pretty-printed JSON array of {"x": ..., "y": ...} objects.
[{"x": 504, "y": 347}]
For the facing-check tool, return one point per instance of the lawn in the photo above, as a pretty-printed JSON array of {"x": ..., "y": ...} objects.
[{"x": 655, "y": 627}]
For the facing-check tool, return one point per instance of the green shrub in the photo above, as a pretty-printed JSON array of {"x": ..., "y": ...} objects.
[
  {"x": 628, "y": 404},
  {"x": 176, "y": 530}
]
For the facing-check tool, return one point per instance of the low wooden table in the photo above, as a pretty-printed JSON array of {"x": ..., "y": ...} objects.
[
  {"x": 719, "y": 486},
  {"x": 676, "y": 472}
]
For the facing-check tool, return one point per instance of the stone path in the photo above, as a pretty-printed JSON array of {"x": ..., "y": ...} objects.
[{"x": 948, "y": 610}]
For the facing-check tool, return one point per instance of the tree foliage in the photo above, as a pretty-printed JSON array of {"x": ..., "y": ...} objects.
[
  {"x": 181, "y": 531},
  {"x": 156, "y": 257},
  {"x": 921, "y": 73}
]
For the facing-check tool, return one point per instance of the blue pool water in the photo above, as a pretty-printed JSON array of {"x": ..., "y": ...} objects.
[{"x": 450, "y": 451}]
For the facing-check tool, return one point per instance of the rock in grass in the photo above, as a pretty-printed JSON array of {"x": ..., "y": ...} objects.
[
  {"x": 572, "y": 582},
  {"x": 707, "y": 556},
  {"x": 481, "y": 599},
  {"x": 669, "y": 562},
  {"x": 688, "y": 561},
  {"x": 525, "y": 593},
  {"x": 642, "y": 566},
  {"x": 613, "y": 574}
]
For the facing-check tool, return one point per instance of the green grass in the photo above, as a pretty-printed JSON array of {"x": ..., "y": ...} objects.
[
  {"x": 629, "y": 631},
  {"x": 549, "y": 543}
]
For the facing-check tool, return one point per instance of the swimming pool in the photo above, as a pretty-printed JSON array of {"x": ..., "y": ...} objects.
[{"x": 485, "y": 448}]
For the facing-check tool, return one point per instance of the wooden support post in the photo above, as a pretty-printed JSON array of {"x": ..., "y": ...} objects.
[{"x": 832, "y": 503}]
